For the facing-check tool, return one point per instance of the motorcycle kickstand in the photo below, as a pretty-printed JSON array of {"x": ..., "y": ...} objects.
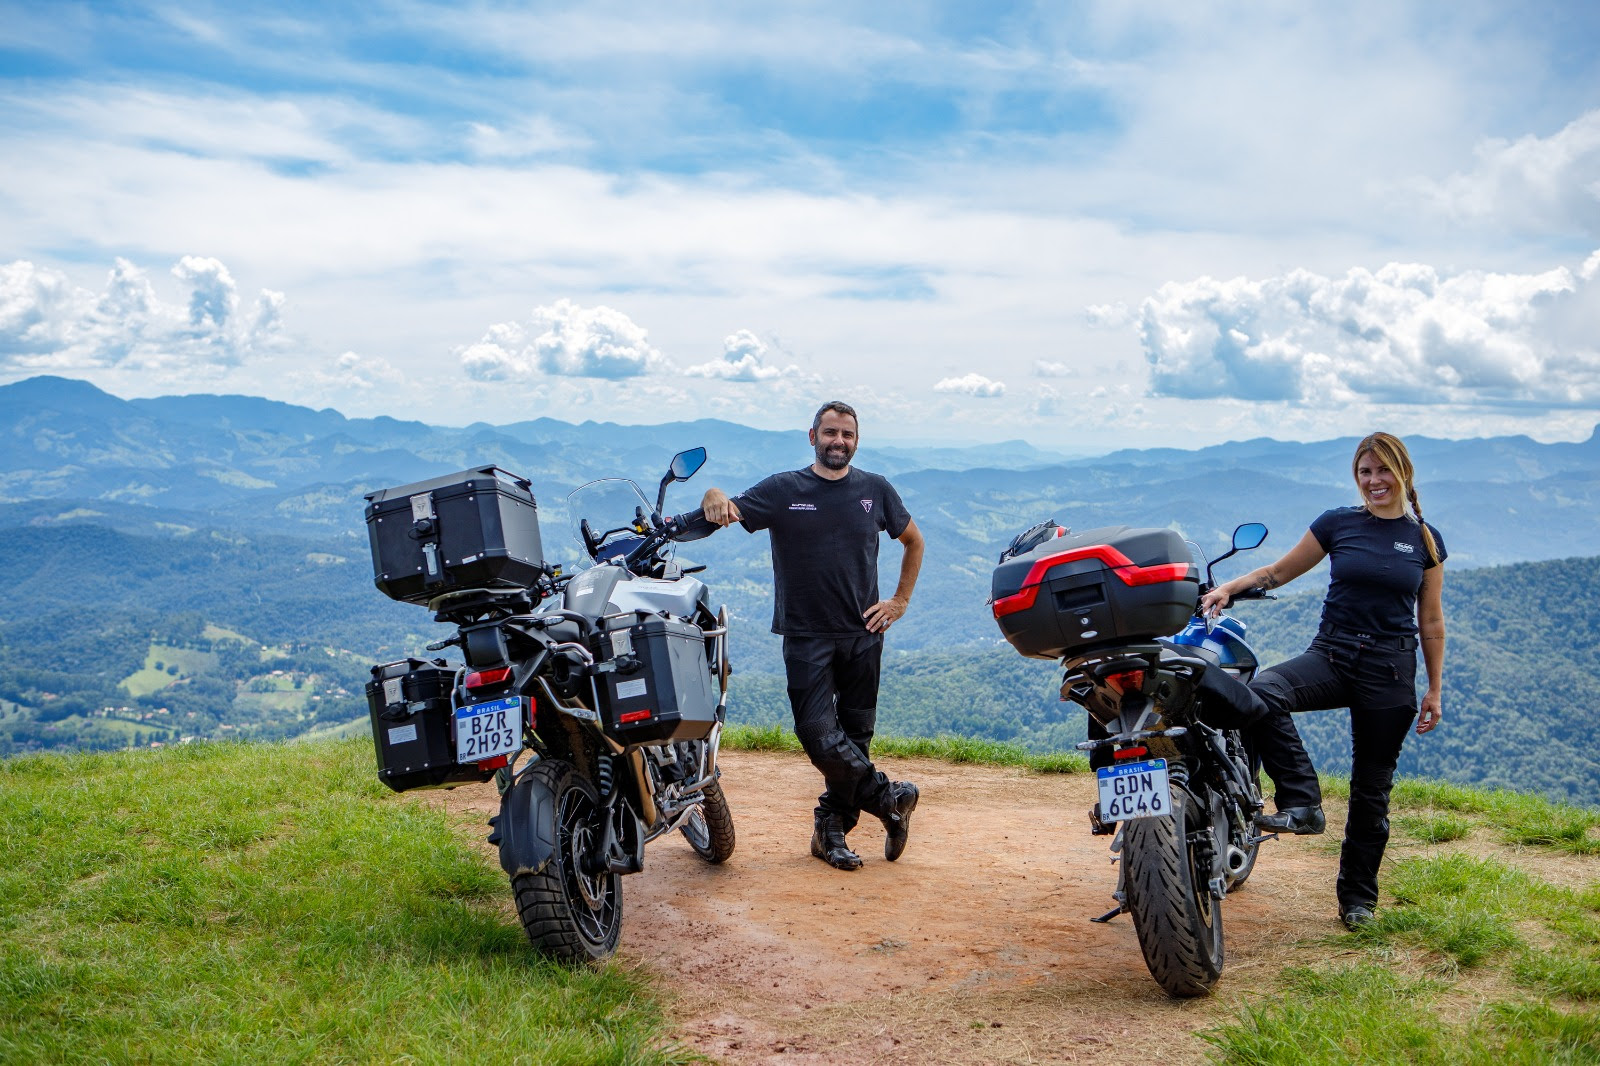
[{"x": 1120, "y": 908}]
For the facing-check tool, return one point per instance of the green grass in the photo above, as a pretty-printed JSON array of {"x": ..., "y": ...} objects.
[
  {"x": 949, "y": 748},
  {"x": 1365, "y": 1013},
  {"x": 273, "y": 903}
]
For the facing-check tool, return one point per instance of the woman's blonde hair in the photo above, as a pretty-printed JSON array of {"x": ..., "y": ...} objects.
[{"x": 1391, "y": 452}]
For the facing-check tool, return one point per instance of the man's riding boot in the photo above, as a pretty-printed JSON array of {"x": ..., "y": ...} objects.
[
  {"x": 828, "y": 844},
  {"x": 896, "y": 818}
]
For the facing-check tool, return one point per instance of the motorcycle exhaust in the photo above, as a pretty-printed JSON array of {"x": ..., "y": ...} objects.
[{"x": 1236, "y": 860}]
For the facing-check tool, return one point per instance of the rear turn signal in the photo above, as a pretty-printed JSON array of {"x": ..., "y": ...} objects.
[
  {"x": 1126, "y": 681},
  {"x": 485, "y": 678}
]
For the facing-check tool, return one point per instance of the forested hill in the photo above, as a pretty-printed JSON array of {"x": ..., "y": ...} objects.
[{"x": 109, "y": 638}]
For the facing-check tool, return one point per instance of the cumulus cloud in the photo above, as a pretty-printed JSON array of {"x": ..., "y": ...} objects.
[
  {"x": 351, "y": 370},
  {"x": 1044, "y": 368},
  {"x": 972, "y": 385},
  {"x": 47, "y": 323},
  {"x": 1402, "y": 334},
  {"x": 744, "y": 358},
  {"x": 563, "y": 340},
  {"x": 1542, "y": 184}
]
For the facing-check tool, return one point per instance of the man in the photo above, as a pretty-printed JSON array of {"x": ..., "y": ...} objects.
[{"x": 824, "y": 522}]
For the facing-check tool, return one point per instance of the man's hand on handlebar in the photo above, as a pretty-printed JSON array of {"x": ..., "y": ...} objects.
[{"x": 719, "y": 508}]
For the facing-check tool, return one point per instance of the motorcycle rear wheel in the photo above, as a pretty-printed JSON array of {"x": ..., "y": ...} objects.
[
  {"x": 566, "y": 913},
  {"x": 1178, "y": 923},
  {"x": 709, "y": 827}
]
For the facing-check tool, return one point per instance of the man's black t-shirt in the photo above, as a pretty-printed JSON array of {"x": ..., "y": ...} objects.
[
  {"x": 824, "y": 546},
  {"x": 1377, "y": 566}
]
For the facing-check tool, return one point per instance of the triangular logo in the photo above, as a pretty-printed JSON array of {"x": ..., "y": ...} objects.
[{"x": 866, "y": 505}]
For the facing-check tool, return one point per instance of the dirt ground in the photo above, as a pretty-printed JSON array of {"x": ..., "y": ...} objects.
[{"x": 975, "y": 947}]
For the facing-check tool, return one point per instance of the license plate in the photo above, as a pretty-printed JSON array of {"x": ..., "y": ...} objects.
[
  {"x": 485, "y": 730},
  {"x": 1134, "y": 790}
]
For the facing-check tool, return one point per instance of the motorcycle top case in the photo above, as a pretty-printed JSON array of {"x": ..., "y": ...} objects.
[
  {"x": 1080, "y": 591},
  {"x": 667, "y": 693},
  {"x": 473, "y": 529},
  {"x": 409, "y": 705}
]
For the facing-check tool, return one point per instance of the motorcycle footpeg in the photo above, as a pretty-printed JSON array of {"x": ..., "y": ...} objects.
[{"x": 1263, "y": 838}]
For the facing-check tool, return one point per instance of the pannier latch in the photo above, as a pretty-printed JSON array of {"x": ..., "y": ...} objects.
[{"x": 424, "y": 523}]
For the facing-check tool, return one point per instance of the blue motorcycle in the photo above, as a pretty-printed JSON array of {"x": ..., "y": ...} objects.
[{"x": 1177, "y": 793}]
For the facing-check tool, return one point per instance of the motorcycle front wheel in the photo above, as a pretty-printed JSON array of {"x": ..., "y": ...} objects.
[
  {"x": 709, "y": 826},
  {"x": 1178, "y": 923},
  {"x": 567, "y": 913}
]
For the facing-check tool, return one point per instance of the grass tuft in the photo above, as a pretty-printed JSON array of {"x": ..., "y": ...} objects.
[{"x": 1435, "y": 828}]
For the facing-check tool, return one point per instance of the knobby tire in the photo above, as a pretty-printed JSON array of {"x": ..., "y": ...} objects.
[
  {"x": 557, "y": 918},
  {"x": 709, "y": 830}
]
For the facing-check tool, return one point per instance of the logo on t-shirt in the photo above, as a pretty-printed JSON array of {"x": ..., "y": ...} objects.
[
  {"x": 1402, "y": 546},
  {"x": 866, "y": 505},
  {"x": 802, "y": 507}
]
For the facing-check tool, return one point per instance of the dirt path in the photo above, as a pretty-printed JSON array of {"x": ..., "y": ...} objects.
[{"x": 974, "y": 948}]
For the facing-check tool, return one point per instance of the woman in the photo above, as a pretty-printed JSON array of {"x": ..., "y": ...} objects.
[{"x": 1383, "y": 595}]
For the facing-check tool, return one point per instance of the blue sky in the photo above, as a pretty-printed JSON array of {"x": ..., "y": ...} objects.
[{"x": 1089, "y": 225}]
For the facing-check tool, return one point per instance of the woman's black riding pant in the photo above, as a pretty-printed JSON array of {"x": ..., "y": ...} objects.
[{"x": 1376, "y": 678}]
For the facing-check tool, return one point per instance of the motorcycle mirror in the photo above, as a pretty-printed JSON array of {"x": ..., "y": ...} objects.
[
  {"x": 684, "y": 464},
  {"x": 1250, "y": 535},
  {"x": 682, "y": 468}
]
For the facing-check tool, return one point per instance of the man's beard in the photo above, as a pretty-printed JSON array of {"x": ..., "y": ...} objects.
[{"x": 835, "y": 456}]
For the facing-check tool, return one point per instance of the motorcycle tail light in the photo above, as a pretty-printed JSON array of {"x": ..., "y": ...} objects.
[
  {"x": 633, "y": 716},
  {"x": 484, "y": 678},
  {"x": 1126, "y": 681},
  {"x": 1131, "y": 753}
]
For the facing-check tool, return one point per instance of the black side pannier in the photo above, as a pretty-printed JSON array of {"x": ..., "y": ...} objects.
[
  {"x": 667, "y": 692},
  {"x": 1072, "y": 592},
  {"x": 474, "y": 529},
  {"x": 412, "y": 732}
]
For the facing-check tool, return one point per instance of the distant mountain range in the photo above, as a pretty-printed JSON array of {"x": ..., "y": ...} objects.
[{"x": 69, "y": 451}]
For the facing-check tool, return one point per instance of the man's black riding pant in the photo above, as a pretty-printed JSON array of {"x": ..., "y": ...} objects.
[{"x": 833, "y": 691}]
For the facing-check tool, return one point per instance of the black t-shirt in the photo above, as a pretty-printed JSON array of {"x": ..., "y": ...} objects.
[
  {"x": 824, "y": 546},
  {"x": 1377, "y": 566}
]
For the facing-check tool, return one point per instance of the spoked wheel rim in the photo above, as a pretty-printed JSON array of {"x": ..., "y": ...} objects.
[
  {"x": 695, "y": 829},
  {"x": 592, "y": 898}
]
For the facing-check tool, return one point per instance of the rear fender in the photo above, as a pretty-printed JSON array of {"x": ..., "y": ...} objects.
[{"x": 525, "y": 828}]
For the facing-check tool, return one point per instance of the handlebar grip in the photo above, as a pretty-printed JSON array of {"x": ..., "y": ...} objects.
[
  {"x": 1257, "y": 593},
  {"x": 691, "y": 525}
]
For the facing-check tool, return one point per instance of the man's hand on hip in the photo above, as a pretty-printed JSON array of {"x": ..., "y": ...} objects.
[
  {"x": 720, "y": 509},
  {"x": 881, "y": 615}
]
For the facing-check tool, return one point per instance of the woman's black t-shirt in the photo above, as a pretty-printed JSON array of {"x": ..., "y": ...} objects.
[{"x": 1377, "y": 566}]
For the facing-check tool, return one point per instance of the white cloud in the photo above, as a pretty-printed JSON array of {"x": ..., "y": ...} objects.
[
  {"x": 564, "y": 340},
  {"x": 1045, "y": 368},
  {"x": 1540, "y": 184},
  {"x": 972, "y": 385},
  {"x": 1405, "y": 334},
  {"x": 743, "y": 359},
  {"x": 49, "y": 324}
]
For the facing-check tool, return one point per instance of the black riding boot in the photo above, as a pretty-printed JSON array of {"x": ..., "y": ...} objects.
[{"x": 828, "y": 843}]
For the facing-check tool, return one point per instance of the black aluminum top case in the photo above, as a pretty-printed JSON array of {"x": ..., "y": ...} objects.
[{"x": 477, "y": 528}]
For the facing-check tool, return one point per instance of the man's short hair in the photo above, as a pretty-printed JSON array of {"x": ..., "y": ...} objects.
[{"x": 838, "y": 406}]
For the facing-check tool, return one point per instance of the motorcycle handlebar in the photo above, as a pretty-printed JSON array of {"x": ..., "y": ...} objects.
[{"x": 691, "y": 525}]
